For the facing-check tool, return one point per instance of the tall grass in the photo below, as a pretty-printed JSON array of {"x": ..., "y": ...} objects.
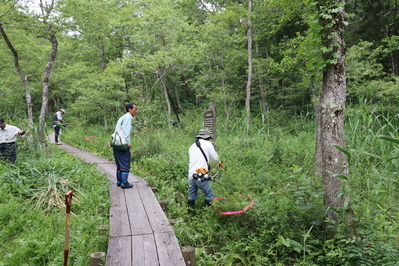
[
  {"x": 32, "y": 208},
  {"x": 273, "y": 163}
]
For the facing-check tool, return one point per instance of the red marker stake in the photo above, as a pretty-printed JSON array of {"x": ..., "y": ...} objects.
[{"x": 68, "y": 203}]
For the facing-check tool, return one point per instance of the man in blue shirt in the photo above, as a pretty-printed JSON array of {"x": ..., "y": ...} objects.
[{"x": 122, "y": 157}]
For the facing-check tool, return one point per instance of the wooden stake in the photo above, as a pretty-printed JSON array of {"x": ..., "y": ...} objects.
[
  {"x": 188, "y": 255},
  {"x": 96, "y": 259},
  {"x": 68, "y": 203}
]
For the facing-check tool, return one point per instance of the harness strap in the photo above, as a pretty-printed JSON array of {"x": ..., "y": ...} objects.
[{"x": 203, "y": 153}]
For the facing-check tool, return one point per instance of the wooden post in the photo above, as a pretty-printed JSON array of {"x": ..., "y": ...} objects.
[
  {"x": 210, "y": 119},
  {"x": 96, "y": 259},
  {"x": 188, "y": 255},
  {"x": 163, "y": 204}
]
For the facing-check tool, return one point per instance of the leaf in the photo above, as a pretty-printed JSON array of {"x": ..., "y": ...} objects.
[
  {"x": 342, "y": 177},
  {"x": 346, "y": 152},
  {"x": 346, "y": 202},
  {"x": 396, "y": 141},
  {"x": 338, "y": 175}
]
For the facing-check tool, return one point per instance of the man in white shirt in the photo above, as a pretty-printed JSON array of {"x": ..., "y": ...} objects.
[
  {"x": 56, "y": 125},
  {"x": 8, "y": 138},
  {"x": 201, "y": 154}
]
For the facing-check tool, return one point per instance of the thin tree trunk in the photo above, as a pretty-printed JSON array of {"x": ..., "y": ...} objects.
[
  {"x": 178, "y": 102},
  {"x": 227, "y": 105},
  {"x": 45, "y": 83},
  {"x": 102, "y": 49},
  {"x": 262, "y": 90},
  {"x": 165, "y": 92},
  {"x": 23, "y": 78},
  {"x": 248, "y": 88},
  {"x": 263, "y": 101}
]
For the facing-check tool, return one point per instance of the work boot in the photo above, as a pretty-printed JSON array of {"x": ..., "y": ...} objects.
[
  {"x": 207, "y": 203},
  {"x": 118, "y": 178},
  {"x": 125, "y": 183},
  {"x": 191, "y": 206}
]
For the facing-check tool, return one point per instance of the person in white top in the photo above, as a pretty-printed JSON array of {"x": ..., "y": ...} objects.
[
  {"x": 56, "y": 125},
  {"x": 201, "y": 154},
  {"x": 8, "y": 138}
]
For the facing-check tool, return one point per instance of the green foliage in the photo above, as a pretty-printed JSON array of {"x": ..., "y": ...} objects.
[
  {"x": 142, "y": 51},
  {"x": 146, "y": 52},
  {"x": 286, "y": 224}
]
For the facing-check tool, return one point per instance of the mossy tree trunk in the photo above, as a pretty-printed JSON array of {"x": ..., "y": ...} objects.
[{"x": 330, "y": 110}]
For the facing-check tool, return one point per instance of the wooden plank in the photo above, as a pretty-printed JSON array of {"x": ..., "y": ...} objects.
[
  {"x": 134, "y": 178},
  {"x": 144, "y": 251},
  {"x": 110, "y": 170},
  {"x": 140, "y": 233},
  {"x": 156, "y": 216},
  {"x": 139, "y": 223},
  {"x": 169, "y": 252},
  {"x": 119, "y": 251},
  {"x": 119, "y": 221}
]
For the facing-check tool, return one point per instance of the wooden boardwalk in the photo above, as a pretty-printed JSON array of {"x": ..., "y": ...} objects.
[{"x": 140, "y": 233}]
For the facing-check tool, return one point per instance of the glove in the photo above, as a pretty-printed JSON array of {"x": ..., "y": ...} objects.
[
  {"x": 22, "y": 132},
  {"x": 221, "y": 164}
]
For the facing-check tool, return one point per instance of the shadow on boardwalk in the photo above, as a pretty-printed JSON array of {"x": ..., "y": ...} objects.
[{"x": 140, "y": 233}]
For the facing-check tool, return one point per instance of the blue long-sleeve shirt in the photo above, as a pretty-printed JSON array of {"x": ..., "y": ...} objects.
[{"x": 126, "y": 122}]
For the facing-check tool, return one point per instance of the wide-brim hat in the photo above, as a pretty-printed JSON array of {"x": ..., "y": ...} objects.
[
  {"x": 204, "y": 134},
  {"x": 62, "y": 110}
]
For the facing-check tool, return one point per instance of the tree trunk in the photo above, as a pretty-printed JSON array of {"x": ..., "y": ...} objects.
[
  {"x": 248, "y": 88},
  {"x": 102, "y": 55},
  {"x": 23, "y": 79},
  {"x": 165, "y": 92},
  {"x": 54, "y": 48},
  {"x": 330, "y": 112}
]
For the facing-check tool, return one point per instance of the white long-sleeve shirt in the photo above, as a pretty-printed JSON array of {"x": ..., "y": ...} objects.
[
  {"x": 197, "y": 159},
  {"x": 9, "y": 134},
  {"x": 57, "y": 116}
]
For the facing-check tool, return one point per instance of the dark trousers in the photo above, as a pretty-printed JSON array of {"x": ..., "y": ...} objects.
[
  {"x": 57, "y": 132},
  {"x": 122, "y": 159},
  {"x": 8, "y": 151}
]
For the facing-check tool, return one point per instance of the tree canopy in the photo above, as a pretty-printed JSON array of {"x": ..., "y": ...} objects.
[{"x": 178, "y": 54}]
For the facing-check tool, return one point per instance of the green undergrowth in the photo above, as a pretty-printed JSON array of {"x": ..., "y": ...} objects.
[
  {"x": 33, "y": 212},
  {"x": 273, "y": 165}
]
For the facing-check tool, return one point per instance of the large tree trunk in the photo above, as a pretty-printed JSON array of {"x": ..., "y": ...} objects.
[{"x": 330, "y": 116}]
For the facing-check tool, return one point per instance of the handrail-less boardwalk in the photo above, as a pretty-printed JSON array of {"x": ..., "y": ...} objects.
[{"x": 140, "y": 233}]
